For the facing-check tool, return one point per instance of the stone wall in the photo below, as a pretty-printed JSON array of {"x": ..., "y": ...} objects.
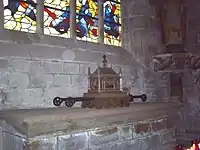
[
  {"x": 143, "y": 40},
  {"x": 35, "y": 68},
  {"x": 10, "y": 138},
  {"x": 145, "y": 135},
  {"x": 191, "y": 97}
]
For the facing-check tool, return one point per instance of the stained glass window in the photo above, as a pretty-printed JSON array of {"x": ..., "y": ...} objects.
[
  {"x": 87, "y": 20},
  {"x": 112, "y": 23},
  {"x": 56, "y": 17},
  {"x": 20, "y": 15}
]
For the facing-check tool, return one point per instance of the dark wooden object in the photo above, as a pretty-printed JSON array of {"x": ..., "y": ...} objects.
[{"x": 70, "y": 101}]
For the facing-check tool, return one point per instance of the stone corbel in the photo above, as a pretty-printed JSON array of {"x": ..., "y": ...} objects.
[{"x": 176, "y": 62}]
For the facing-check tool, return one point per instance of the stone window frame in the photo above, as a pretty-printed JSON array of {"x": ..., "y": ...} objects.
[{"x": 40, "y": 21}]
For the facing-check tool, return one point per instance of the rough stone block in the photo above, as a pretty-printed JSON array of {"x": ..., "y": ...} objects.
[
  {"x": 127, "y": 145},
  {"x": 15, "y": 80},
  {"x": 103, "y": 136},
  {"x": 83, "y": 69},
  {"x": 35, "y": 67},
  {"x": 4, "y": 79},
  {"x": 19, "y": 81},
  {"x": 138, "y": 9},
  {"x": 45, "y": 52},
  {"x": 158, "y": 125},
  {"x": 12, "y": 142},
  {"x": 48, "y": 143},
  {"x": 77, "y": 141},
  {"x": 80, "y": 80},
  {"x": 168, "y": 136},
  {"x": 139, "y": 22},
  {"x": 13, "y": 50},
  {"x": 150, "y": 142},
  {"x": 86, "y": 56},
  {"x": 26, "y": 98},
  {"x": 4, "y": 64},
  {"x": 126, "y": 132},
  {"x": 142, "y": 128},
  {"x": 71, "y": 68},
  {"x": 40, "y": 81},
  {"x": 52, "y": 67},
  {"x": 20, "y": 37},
  {"x": 169, "y": 146},
  {"x": 61, "y": 80},
  {"x": 55, "y": 41},
  {"x": 20, "y": 65},
  {"x": 68, "y": 55}
]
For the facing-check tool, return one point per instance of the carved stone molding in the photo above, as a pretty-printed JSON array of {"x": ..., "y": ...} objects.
[{"x": 176, "y": 62}]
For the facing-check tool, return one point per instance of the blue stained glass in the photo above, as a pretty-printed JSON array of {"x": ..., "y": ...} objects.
[
  {"x": 20, "y": 15},
  {"x": 112, "y": 23},
  {"x": 87, "y": 20},
  {"x": 57, "y": 17}
]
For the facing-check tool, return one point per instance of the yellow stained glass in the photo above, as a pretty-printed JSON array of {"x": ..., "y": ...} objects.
[
  {"x": 20, "y": 15},
  {"x": 57, "y": 18},
  {"x": 87, "y": 20}
]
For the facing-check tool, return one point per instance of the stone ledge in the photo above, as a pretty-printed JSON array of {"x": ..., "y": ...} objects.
[
  {"x": 176, "y": 62},
  {"x": 36, "y": 122},
  {"x": 34, "y": 46}
]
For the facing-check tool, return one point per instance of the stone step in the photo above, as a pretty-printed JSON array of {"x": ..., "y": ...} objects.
[
  {"x": 195, "y": 131},
  {"x": 183, "y": 141},
  {"x": 186, "y": 137}
]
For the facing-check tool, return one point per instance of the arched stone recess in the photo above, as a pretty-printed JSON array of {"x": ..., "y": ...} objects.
[{"x": 36, "y": 68}]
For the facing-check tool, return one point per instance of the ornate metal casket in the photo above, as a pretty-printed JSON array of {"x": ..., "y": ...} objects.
[
  {"x": 104, "y": 90},
  {"x": 105, "y": 87}
]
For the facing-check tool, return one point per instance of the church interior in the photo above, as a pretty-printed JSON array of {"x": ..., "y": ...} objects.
[{"x": 99, "y": 75}]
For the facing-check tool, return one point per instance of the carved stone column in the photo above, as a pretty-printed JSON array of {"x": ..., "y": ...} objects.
[
  {"x": 73, "y": 19},
  {"x": 1, "y": 138},
  {"x": 100, "y": 22},
  {"x": 40, "y": 17},
  {"x": 1, "y": 16},
  {"x": 173, "y": 59}
]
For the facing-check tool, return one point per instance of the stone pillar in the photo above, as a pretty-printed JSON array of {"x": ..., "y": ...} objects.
[
  {"x": 73, "y": 19},
  {"x": 40, "y": 17},
  {"x": 1, "y": 138},
  {"x": 125, "y": 25},
  {"x": 1, "y": 15},
  {"x": 100, "y": 22}
]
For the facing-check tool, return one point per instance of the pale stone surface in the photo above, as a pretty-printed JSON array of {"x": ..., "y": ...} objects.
[
  {"x": 61, "y": 80},
  {"x": 68, "y": 55},
  {"x": 109, "y": 130},
  {"x": 82, "y": 118},
  {"x": 71, "y": 68},
  {"x": 58, "y": 66},
  {"x": 52, "y": 67},
  {"x": 73, "y": 142}
]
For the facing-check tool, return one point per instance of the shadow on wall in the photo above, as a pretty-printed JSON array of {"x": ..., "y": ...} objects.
[{"x": 2, "y": 97}]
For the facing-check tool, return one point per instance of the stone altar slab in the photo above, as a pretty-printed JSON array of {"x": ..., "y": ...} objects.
[{"x": 36, "y": 122}]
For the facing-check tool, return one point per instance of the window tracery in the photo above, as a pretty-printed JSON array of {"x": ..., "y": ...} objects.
[{"x": 21, "y": 15}]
